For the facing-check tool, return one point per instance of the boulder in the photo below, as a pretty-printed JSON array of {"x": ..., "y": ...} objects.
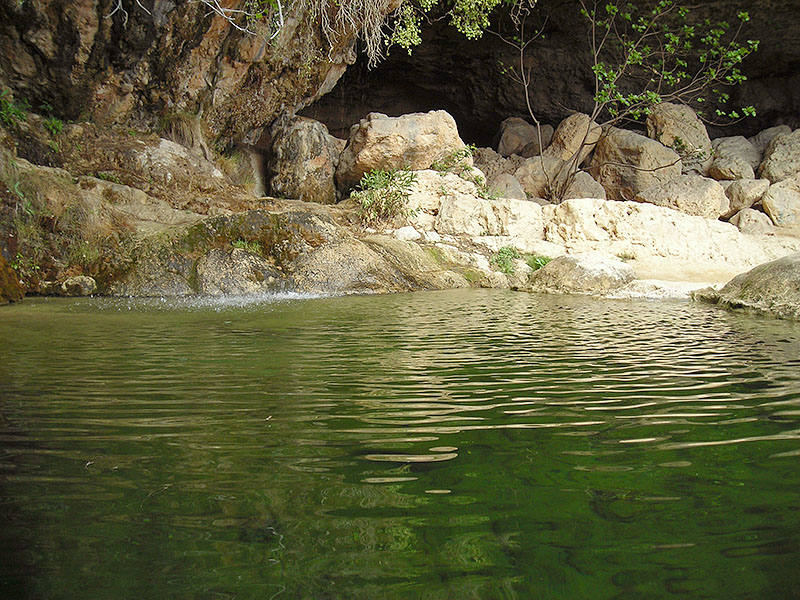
[
  {"x": 507, "y": 186},
  {"x": 414, "y": 141},
  {"x": 535, "y": 148},
  {"x": 577, "y": 134},
  {"x": 677, "y": 126},
  {"x": 584, "y": 186},
  {"x": 170, "y": 164},
  {"x": 772, "y": 288},
  {"x": 590, "y": 273},
  {"x": 744, "y": 193},
  {"x": 237, "y": 272},
  {"x": 691, "y": 194},
  {"x": 517, "y": 136},
  {"x": 782, "y": 201},
  {"x": 304, "y": 160},
  {"x": 781, "y": 157},
  {"x": 752, "y": 221},
  {"x": 492, "y": 164},
  {"x": 762, "y": 139},
  {"x": 625, "y": 163},
  {"x": 734, "y": 158},
  {"x": 10, "y": 289},
  {"x": 537, "y": 174},
  {"x": 79, "y": 285},
  {"x": 478, "y": 217}
]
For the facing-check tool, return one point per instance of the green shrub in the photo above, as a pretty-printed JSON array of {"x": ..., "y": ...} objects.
[
  {"x": 503, "y": 259},
  {"x": 455, "y": 161},
  {"x": 537, "y": 262},
  {"x": 384, "y": 194},
  {"x": 11, "y": 111},
  {"x": 54, "y": 125}
]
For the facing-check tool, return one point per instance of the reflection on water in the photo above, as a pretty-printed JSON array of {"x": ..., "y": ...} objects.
[{"x": 468, "y": 444}]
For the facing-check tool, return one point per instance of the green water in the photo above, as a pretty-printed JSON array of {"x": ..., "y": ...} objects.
[{"x": 454, "y": 445}]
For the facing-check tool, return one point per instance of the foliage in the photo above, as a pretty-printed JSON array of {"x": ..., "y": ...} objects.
[
  {"x": 11, "y": 111},
  {"x": 455, "y": 161},
  {"x": 248, "y": 246},
  {"x": 108, "y": 176},
  {"x": 537, "y": 262},
  {"x": 384, "y": 194},
  {"x": 503, "y": 259}
]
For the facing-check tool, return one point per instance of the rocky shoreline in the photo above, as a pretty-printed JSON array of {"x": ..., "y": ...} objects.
[{"x": 170, "y": 222}]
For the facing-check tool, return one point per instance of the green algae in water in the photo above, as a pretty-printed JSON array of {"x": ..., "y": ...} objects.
[{"x": 470, "y": 444}]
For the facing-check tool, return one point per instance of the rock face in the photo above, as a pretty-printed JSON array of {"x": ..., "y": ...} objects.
[
  {"x": 235, "y": 272},
  {"x": 772, "y": 288},
  {"x": 539, "y": 174},
  {"x": 626, "y": 163},
  {"x": 303, "y": 161},
  {"x": 591, "y": 273},
  {"x": 734, "y": 158},
  {"x": 782, "y": 201},
  {"x": 10, "y": 289},
  {"x": 575, "y": 135},
  {"x": 678, "y": 127},
  {"x": 175, "y": 56},
  {"x": 412, "y": 141},
  {"x": 692, "y": 194},
  {"x": 781, "y": 157}
]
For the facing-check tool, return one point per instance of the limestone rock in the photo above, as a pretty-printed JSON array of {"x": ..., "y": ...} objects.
[
  {"x": 744, "y": 193},
  {"x": 691, "y": 194},
  {"x": 782, "y": 201},
  {"x": 407, "y": 233},
  {"x": 734, "y": 158},
  {"x": 427, "y": 193},
  {"x": 577, "y": 134},
  {"x": 752, "y": 221},
  {"x": 79, "y": 285},
  {"x": 479, "y": 217},
  {"x": 584, "y": 186},
  {"x": 677, "y": 126},
  {"x": 10, "y": 289},
  {"x": 781, "y": 157},
  {"x": 414, "y": 141},
  {"x": 625, "y": 163},
  {"x": 591, "y": 273},
  {"x": 517, "y": 135},
  {"x": 507, "y": 186},
  {"x": 537, "y": 174},
  {"x": 304, "y": 160},
  {"x": 535, "y": 148},
  {"x": 237, "y": 272},
  {"x": 492, "y": 164},
  {"x": 762, "y": 139},
  {"x": 772, "y": 288}
]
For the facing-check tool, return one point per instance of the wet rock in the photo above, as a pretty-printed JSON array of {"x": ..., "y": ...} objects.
[
  {"x": 575, "y": 135},
  {"x": 782, "y": 201},
  {"x": 10, "y": 288},
  {"x": 781, "y": 157},
  {"x": 772, "y": 288},
  {"x": 413, "y": 141},
  {"x": 677, "y": 126},
  {"x": 752, "y": 221},
  {"x": 744, "y": 193},
  {"x": 80, "y": 285},
  {"x": 590, "y": 273},
  {"x": 304, "y": 160},
  {"x": 237, "y": 272},
  {"x": 691, "y": 194},
  {"x": 625, "y": 163}
]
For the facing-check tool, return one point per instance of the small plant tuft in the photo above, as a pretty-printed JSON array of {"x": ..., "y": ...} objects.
[
  {"x": 54, "y": 125},
  {"x": 11, "y": 111},
  {"x": 537, "y": 262},
  {"x": 251, "y": 247},
  {"x": 503, "y": 259},
  {"x": 384, "y": 194}
]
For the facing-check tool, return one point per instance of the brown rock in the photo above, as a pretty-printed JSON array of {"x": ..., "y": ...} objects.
[{"x": 10, "y": 288}]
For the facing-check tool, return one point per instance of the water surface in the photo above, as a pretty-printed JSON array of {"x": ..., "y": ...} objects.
[{"x": 463, "y": 444}]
